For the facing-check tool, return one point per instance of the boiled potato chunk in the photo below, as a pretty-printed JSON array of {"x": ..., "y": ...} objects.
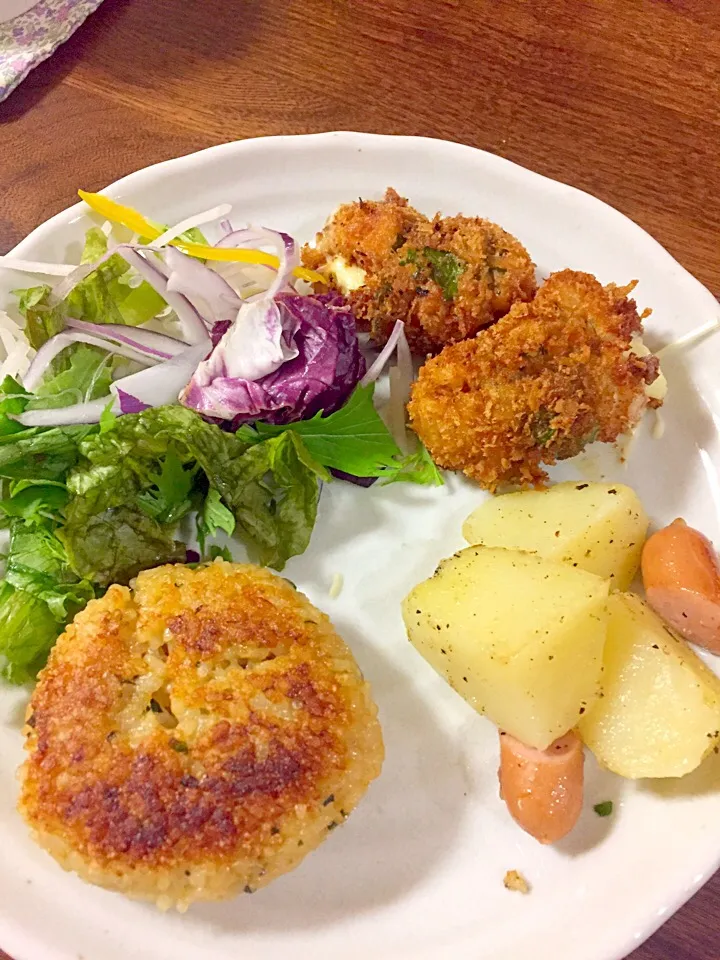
[
  {"x": 660, "y": 711},
  {"x": 520, "y": 638},
  {"x": 599, "y": 527}
]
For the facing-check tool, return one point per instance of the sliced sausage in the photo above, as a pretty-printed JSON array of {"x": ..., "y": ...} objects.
[
  {"x": 681, "y": 575},
  {"x": 543, "y": 789}
]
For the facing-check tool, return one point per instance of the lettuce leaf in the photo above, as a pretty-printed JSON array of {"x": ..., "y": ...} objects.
[
  {"x": 115, "y": 544},
  {"x": 27, "y": 632},
  {"x": 270, "y": 487},
  {"x": 37, "y": 563},
  {"x": 39, "y": 596},
  {"x": 42, "y": 320},
  {"x": 42, "y": 454},
  {"x": 104, "y": 296},
  {"x": 85, "y": 373}
]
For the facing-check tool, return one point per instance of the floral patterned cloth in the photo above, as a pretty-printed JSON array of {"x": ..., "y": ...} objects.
[{"x": 31, "y": 37}]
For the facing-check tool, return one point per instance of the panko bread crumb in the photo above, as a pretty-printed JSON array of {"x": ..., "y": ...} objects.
[
  {"x": 445, "y": 278},
  {"x": 196, "y": 735}
]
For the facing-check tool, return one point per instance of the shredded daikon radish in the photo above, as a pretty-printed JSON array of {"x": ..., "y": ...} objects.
[
  {"x": 690, "y": 339},
  {"x": 35, "y": 266},
  {"x": 16, "y": 347},
  {"x": 198, "y": 220},
  {"x": 658, "y": 428},
  {"x": 336, "y": 586},
  {"x": 401, "y": 378}
]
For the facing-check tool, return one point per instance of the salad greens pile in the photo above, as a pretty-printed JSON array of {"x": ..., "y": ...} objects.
[{"x": 88, "y": 504}]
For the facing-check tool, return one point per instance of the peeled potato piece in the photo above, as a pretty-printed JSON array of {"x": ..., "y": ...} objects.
[
  {"x": 599, "y": 527},
  {"x": 660, "y": 711},
  {"x": 518, "y": 637}
]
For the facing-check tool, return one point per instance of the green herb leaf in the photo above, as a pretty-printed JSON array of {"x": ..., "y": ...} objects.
[
  {"x": 418, "y": 468},
  {"x": 604, "y": 809},
  {"x": 354, "y": 439},
  {"x": 540, "y": 427},
  {"x": 168, "y": 501},
  {"x": 222, "y": 552},
  {"x": 445, "y": 269},
  {"x": 213, "y": 516}
]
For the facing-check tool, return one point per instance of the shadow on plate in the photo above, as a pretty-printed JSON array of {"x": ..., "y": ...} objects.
[
  {"x": 394, "y": 839},
  {"x": 702, "y": 781},
  {"x": 592, "y": 830}
]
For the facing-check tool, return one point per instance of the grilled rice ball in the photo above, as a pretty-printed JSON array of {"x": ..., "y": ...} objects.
[
  {"x": 446, "y": 278},
  {"x": 551, "y": 377},
  {"x": 196, "y": 736}
]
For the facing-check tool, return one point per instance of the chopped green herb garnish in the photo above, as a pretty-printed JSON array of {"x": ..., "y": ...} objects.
[
  {"x": 604, "y": 809},
  {"x": 178, "y": 746},
  {"x": 445, "y": 269}
]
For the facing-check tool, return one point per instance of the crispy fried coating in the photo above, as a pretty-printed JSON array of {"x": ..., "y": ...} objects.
[
  {"x": 196, "y": 737},
  {"x": 552, "y": 376},
  {"x": 446, "y": 278}
]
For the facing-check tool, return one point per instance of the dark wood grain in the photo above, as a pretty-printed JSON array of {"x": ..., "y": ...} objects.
[{"x": 618, "y": 97}]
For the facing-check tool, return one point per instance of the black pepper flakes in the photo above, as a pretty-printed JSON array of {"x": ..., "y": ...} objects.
[{"x": 328, "y": 800}]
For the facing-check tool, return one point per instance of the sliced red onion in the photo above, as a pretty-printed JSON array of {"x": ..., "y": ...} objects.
[
  {"x": 285, "y": 250},
  {"x": 153, "y": 387},
  {"x": 153, "y": 344},
  {"x": 198, "y": 220},
  {"x": 130, "y": 404},
  {"x": 89, "y": 412},
  {"x": 161, "y": 384},
  {"x": 78, "y": 274},
  {"x": 226, "y": 227},
  {"x": 210, "y": 294},
  {"x": 55, "y": 345},
  {"x": 384, "y": 356},
  {"x": 194, "y": 326}
]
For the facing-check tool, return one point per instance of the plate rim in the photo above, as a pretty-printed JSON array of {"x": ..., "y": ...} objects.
[{"x": 23, "y": 945}]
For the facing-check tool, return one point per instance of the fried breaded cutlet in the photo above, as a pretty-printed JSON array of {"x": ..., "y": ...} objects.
[
  {"x": 446, "y": 278},
  {"x": 551, "y": 377},
  {"x": 196, "y": 736}
]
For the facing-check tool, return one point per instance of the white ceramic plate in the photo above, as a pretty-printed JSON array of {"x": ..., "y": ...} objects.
[{"x": 418, "y": 870}]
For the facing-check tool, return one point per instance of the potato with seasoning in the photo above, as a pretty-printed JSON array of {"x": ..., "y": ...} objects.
[
  {"x": 599, "y": 527},
  {"x": 660, "y": 711},
  {"x": 520, "y": 638}
]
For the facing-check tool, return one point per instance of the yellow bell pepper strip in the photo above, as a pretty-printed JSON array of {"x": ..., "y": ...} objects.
[{"x": 127, "y": 217}]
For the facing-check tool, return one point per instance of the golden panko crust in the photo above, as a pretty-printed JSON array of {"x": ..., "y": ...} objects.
[
  {"x": 397, "y": 247},
  {"x": 196, "y": 736},
  {"x": 552, "y": 376}
]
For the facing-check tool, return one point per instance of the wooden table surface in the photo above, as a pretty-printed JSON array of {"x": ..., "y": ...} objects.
[{"x": 618, "y": 97}]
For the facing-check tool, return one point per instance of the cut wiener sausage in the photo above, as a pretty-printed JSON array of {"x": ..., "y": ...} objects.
[
  {"x": 543, "y": 789},
  {"x": 681, "y": 575}
]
